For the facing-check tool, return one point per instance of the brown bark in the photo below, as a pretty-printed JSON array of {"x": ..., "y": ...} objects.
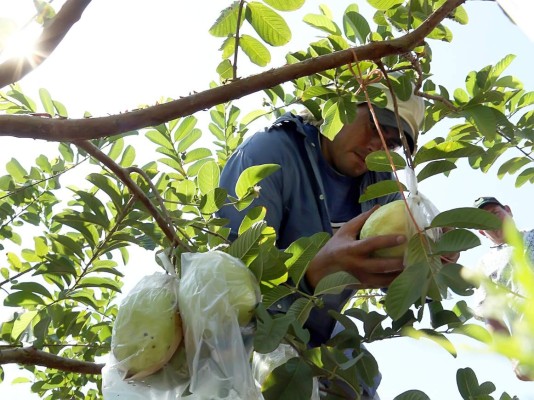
[
  {"x": 70, "y": 130},
  {"x": 16, "y": 68},
  {"x": 33, "y": 356}
]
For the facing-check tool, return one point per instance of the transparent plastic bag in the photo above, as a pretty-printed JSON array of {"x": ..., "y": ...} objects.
[
  {"x": 147, "y": 359},
  {"x": 264, "y": 364},
  {"x": 215, "y": 291},
  {"x": 421, "y": 208}
]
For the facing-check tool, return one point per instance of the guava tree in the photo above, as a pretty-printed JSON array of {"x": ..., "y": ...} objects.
[{"x": 66, "y": 243}]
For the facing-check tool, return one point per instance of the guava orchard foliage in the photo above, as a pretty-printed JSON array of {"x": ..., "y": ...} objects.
[{"x": 68, "y": 241}]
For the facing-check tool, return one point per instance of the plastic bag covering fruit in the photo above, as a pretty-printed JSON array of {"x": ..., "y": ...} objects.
[
  {"x": 148, "y": 328},
  {"x": 227, "y": 279},
  {"x": 218, "y": 294},
  {"x": 389, "y": 219}
]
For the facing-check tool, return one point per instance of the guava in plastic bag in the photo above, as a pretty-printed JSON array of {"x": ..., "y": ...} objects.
[
  {"x": 144, "y": 362},
  {"x": 218, "y": 294}
]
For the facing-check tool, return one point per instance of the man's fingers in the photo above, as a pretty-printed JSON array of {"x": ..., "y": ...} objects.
[{"x": 371, "y": 244}]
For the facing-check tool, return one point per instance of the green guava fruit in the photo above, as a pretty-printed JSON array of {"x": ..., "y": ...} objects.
[
  {"x": 389, "y": 219},
  {"x": 217, "y": 284},
  {"x": 147, "y": 331}
]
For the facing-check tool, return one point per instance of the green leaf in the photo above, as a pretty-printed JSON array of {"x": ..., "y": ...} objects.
[
  {"x": 484, "y": 119},
  {"x": 335, "y": 283},
  {"x": 321, "y": 92},
  {"x": 435, "y": 168},
  {"x": 356, "y": 27},
  {"x": 248, "y": 241},
  {"x": 467, "y": 217},
  {"x": 292, "y": 380},
  {"x": 159, "y": 138},
  {"x": 474, "y": 331},
  {"x": 332, "y": 119},
  {"x": 252, "y": 176},
  {"x": 499, "y": 68},
  {"x": 379, "y": 161},
  {"x": 412, "y": 395},
  {"x": 189, "y": 140},
  {"x": 27, "y": 102},
  {"x": 33, "y": 287},
  {"x": 255, "y": 50},
  {"x": 300, "y": 310},
  {"x": 208, "y": 177},
  {"x": 61, "y": 110},
  {"x": 21, "y": 299},
  {"x": 225, "y": 70},
  {"x": 285, "y": 5},
  {"x": 456, "y": 240},
  {"x": 17, "y": 172},
  {"x": 302, "y": 252},
  {"x": 274, "y": 294},
  {"x": 449, "y": 149},
  {"x": 46, "y": 99},
  {"x": 434, "y": 336},
  {"x": 128, "y": 157},
  {"x": 525, "y": 176},
  {"x": 322, "y": 23},
  {"x": 93, "y": 281},
  {"x": 22, "y": 324},
  {"x": 406, "y": 289},
  {"x": 380, "y": 189},
  {"x": 270, "y": 331},
  {"x": 451, "y": 276},
  {"x": 268, "y": 24},
  {"x": 512, "y": 166},
  {"x": 384, "y": 5},
  {"x": 226, "y": 24}
]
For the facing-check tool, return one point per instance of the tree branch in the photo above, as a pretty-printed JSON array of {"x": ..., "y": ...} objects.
[
  {"x": 16, "y": 68},
  {"x": 69, "y": 130},
  {"x": 124, "y": 175},
  {"x": 32, "y": 356}
]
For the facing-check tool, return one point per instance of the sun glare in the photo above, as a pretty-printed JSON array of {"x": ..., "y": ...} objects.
[{"x": 20, "y": 44}]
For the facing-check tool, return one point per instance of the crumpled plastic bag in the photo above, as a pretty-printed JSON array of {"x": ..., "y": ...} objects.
[{"x": 218, "y": 348}]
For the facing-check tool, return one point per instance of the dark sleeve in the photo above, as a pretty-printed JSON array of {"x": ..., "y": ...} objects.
[{"x": 261, "y": 148}]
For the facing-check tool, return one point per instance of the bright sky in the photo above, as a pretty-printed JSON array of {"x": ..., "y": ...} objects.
[{"x": 124, "y": 53}]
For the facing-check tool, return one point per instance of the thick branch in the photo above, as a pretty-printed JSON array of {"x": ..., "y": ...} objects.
[
  {"x": 15, "y": 68},
  {"x": 69, "y": 130},
  {"x": 32, "y": 356}
]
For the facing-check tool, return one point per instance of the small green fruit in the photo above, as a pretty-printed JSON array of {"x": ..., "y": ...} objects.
[
  {"x": 148, "y": 329},
  {"x": 389, "y": 219}
]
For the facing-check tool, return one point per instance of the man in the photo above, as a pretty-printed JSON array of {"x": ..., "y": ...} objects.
[
  {"x": 317, "y": 190},
  {"x": 497, "y": 264}
]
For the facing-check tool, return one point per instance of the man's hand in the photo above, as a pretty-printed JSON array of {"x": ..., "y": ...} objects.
[{"x": 343, "y": 252}]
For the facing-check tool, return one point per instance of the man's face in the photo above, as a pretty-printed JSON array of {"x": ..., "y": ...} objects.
[
  {"x": 497, "y": 236},
  {"x": 347, "y": 152}
]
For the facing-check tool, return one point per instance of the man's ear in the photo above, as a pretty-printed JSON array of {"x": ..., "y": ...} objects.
[{"x": 508, "y": 210}]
